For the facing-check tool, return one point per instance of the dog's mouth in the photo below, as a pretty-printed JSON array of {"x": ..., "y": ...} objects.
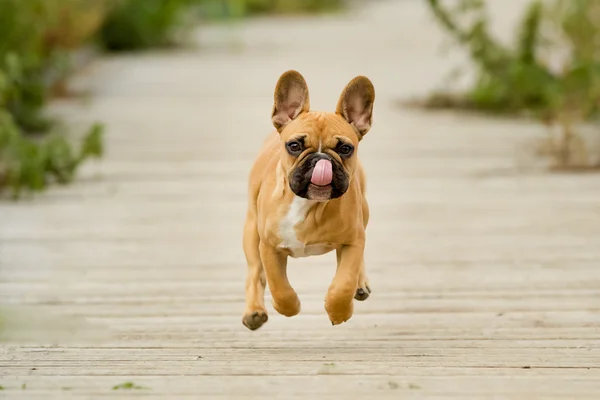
[
  {"x": 319, "y": 177},
  {"x": 319, "y": 193},
  {"x": 319, "y": 187}
]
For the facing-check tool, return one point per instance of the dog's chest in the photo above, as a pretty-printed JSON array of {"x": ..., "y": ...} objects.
[{"x": 287, "y": 231}]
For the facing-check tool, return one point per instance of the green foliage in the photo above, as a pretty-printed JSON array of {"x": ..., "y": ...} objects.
[
  {"x": 242, "y": 8},
  {"x": 290, "y": 6},
  {"x": 518, "y": 78},
  {"x": 22, "y": 52},
  {"x": 507, "y": 79},
  {"x": 29, "y": 164},
  {"x": 143, "y": 24},
  {"x": 34, "y": 36},
  {"x": 127, "y": 386},
  {"x": 23, "y": 91}
]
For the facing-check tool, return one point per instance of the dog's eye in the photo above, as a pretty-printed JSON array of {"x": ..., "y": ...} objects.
[
  {"x": 294, "y": 147},
  {"x": 345, "y": 149}
]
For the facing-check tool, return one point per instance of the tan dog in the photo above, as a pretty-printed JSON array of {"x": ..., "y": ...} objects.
[{"x": 307, "y": 197}]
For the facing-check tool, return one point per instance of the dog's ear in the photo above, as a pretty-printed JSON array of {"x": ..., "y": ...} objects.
[
  {"x": 291, "y": 99},
  {"x": 356, "y": 104}
]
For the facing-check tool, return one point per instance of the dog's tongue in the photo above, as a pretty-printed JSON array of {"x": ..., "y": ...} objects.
[{"x": 322, "y": 173}]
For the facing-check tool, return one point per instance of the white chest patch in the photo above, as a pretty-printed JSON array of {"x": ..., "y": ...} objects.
[{"x": 287, "y": 230}]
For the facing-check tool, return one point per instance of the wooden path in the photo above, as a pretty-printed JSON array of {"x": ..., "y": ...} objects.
[{"x": 485, "y": 278}]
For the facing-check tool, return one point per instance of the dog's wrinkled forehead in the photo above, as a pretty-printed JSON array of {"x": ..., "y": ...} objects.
[{"x": 320, "y": 128}]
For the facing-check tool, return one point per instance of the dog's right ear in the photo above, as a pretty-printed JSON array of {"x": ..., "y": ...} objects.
[{"x": 291, "y": 99}]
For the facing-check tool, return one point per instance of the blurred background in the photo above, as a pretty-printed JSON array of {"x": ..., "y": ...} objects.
[
  {"x": 545, "y": 65},
  {"x": 127, "y": 131}
]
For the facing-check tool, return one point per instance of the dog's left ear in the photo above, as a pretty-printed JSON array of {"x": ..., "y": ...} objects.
[{"x": 356, "y": 104}]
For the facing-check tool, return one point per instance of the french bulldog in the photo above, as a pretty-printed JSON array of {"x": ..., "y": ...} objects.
[{"x": 307, "y": 198}]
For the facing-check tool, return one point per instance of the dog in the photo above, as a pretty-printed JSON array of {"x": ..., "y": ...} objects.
[{"x": 306, "y": 197}]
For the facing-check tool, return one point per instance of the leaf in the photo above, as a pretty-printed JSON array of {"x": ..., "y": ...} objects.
[
  {"x": 93, "y": 142},
  {"x": 127, "y": 386},
  {"x": 529, "y": 35}
]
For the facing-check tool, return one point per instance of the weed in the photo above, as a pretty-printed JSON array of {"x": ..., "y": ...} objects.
[
  {"x": 34, "y": 38},
  {"x": 142, "y": 24},
  {"x": 127, "y": 386},
  {"x": 241, "y": 8},
  {"x": 32, "y": 165},
  {"x": 520, "y": 79}
]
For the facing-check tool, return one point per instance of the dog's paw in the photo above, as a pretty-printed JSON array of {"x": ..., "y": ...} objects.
[
  {"x": 339, "y": 309},
  {"x": 254, "y": 320},
  {"x": 288, "y": 305},
  {"x": 363, "y": 292}
]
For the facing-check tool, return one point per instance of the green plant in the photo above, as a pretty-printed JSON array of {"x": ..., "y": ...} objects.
[
  {"x": 508, "y": 79},
  {"x": 242, "y": 8},
  {"x": 141, "y": 24},
  {"x": 21, "y": 54},
  {"x": 32, "y": 164},
  {"x": 518, "y": 78},
  {"x": 291, "y": 6},
  {"x": 127, "y": 386},
  {"x": 34, "y": 36}
]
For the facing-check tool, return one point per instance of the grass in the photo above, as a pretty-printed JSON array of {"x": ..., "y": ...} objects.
[
  {"x": 393, "y": 385},
  {"x": 519, "y": 79},
  {"x": 127, "y": 386}
]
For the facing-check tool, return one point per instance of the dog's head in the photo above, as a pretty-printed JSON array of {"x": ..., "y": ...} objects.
[{"x": 319, "y": 150}]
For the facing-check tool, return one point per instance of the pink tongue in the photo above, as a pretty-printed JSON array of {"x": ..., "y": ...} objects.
[{"x": 322, "y": 173}]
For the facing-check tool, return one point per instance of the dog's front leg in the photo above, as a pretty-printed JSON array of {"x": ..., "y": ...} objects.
[
  {"x": 338, "y": 301},
  {"x": 285, "y": 299}
]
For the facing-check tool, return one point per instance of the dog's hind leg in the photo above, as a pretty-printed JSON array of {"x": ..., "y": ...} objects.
[
  {"x": 255, "y": 314},
  {"x": 363, "y": 291}
]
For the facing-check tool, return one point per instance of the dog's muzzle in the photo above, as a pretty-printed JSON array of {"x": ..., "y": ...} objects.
[{"x": 319, "y": 177}]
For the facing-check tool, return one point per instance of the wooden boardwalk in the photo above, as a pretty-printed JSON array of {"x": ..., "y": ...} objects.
[{"x": 485, "y": 278}]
